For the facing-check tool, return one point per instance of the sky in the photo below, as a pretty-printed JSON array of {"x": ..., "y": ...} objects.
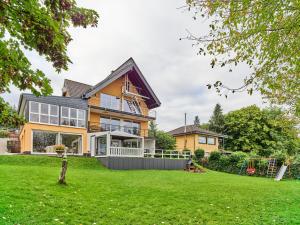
[{"x": 149, "y": 32}]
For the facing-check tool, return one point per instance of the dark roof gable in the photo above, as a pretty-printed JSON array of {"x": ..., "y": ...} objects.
[
  {"x": 192, "y": 129},
  {"x": 136, "y": 77},
  {"x": 75, "y": 89}
]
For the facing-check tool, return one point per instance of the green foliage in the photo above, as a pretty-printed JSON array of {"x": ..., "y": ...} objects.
[
  {"x": 199, "y": 154},
  {"x": 9, "y": 118},
  {"x": 4, "y": 134},
  {"x": 204, "y": 126},
  {"x": 214, "y": 156},
  {"x": 216, "y": 122},
  {"x": 40, "y": 26},
  {"x": 234, "y": 162},
  {"x": 165, "y": 141},
  {"x": 197, "y": 121},
  {"x": 262, "y": 34},
  {"x": 261, "y": 131},
  {"x": 152, "y": 129}
]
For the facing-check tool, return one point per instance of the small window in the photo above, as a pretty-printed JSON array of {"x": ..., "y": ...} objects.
[
  {"x": 211, "y": 141},
  {"x": 202, "y": 140},
  {"x": 34, "y": 107}
]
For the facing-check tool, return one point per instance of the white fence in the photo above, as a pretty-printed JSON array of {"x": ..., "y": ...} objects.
[
  {"x": 139, "y": 152},
  {"x": 172, "y": 154},
  {"x": 126, "y": 152}
]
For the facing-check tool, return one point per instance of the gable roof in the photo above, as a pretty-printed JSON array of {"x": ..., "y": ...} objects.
[
  {"x": 193, "y": 129},
  {"x": 136, "y": 77},
  {"x": 75, "y": 89}
]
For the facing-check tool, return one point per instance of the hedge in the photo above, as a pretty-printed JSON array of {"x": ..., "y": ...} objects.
[{"x": 237, "y": 163}]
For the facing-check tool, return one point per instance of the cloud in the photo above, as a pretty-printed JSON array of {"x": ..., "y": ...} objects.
[{"x": 148, "y": 31}]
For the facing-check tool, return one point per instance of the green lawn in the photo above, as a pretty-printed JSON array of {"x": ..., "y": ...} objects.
[{"x": 94, "y": 195}]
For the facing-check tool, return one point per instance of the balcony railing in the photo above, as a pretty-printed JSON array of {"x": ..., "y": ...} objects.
[
  {"x": 100, "y": 127},
  {"x": 126, "y": 152}
]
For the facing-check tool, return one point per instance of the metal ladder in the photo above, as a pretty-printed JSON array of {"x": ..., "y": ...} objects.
[{"x": 272, "y": 168}]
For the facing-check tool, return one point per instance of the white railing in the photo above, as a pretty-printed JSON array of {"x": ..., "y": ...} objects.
[
  {"x": 126, "y": 152},
  {"x": 172, "y": 154}
]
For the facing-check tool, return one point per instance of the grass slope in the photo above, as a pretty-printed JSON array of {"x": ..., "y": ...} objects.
[{"x": 94, "y": 195}]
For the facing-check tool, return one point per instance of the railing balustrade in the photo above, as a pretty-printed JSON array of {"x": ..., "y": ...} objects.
[
  {"x": 99, "y": 127},
  {"x": 126, "y": 152}
]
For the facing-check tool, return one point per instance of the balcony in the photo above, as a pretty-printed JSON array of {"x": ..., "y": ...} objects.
[{"x": 100, "y": 127}]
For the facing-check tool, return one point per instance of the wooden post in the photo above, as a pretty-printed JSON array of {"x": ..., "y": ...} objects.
[{"x": 64, "y": 166}]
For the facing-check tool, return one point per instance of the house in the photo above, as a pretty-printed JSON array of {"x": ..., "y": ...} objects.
[
  {"x": 193, "y": 137},
  {"x": 107, "y": 119}
]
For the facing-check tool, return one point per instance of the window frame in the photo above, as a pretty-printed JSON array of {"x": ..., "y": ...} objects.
[
  {"x": 39, "y": 113},
  {"x": 58, "y": 140},
  {"x": 69, "y": 118},
  {"x": 211, "y": 138},
  {"x": 204, "y": 143}
]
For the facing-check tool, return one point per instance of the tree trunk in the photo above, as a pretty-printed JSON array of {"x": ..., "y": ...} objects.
[{"x": 62, "y": 177}]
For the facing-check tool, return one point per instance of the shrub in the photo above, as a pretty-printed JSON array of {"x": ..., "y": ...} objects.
[
  {"x": 280, "y": 157},
  {"x": 214, "y": 156},
  {"x": 199, "y": 154},
  {"x": 238, "y": 157},
  {"x": 4, "y": 134}
]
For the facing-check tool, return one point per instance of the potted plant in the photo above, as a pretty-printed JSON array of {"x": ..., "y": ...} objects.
[{"x": 60, "y": 149}]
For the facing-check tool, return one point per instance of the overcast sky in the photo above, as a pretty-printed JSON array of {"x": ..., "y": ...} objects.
[{"x": 148, "y": 31}]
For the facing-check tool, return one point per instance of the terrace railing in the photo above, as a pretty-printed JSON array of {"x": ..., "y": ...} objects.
[
  {"x": 172, "y": 154},
  {"x": 99, "y": 127},
  {"x": 126, "y": 152}
]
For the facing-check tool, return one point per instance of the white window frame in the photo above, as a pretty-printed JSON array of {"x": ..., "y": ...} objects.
[
  {"x": 211, "y": 138},
  {"x": 200, "y": 136},
  {"x": 69, "y": 117},
  {"x": 58, "y": 141},
  {"x": 42, "y": 114}
]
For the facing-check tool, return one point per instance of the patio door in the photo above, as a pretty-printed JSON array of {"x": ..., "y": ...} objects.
[{"x": 101, "y": 145}]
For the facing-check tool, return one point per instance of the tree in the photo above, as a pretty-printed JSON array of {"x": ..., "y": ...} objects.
[
  {"x": 197, "y": 121},
  {"x": 216, "y": 122},
  {"x": 262, "y": 34},
  {"x": 40, "y": 26},
  {"x": 9, "y": 117},
  {"x": 165, "y": 141},
  {"x": 204, "y": 126},
  {"x": 152, "y": 129},
  {"x": 264, "y": 132}
]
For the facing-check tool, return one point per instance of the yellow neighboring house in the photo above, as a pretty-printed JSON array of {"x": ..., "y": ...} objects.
[
  {"x": 107, "y": 119},
  {"x": 192, "y": 137}
]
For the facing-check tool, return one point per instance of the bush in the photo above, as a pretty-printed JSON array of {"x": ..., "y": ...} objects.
[
  {"x": 4, "y": 134},
  {"x": 237, "y": 157},
  {"x": 214, "y": 156},
  {"x": 280, "y": 157},
  {"x": 199, "y": 154}
]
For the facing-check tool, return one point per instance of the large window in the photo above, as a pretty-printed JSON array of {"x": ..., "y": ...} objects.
[
  {"x": 72, "y": 117},
  {"x": 43, "y": 113},
  {"x": 110, "y": 102},
  {"x": 108, "y": 124},
  {"x": 45, "y": 141},
  {"x": 72, "y": 143},
  {"x": 132, "y": 127},
  {"x": 211, "y": 141},
  {"x": 202, "y": 140}
]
